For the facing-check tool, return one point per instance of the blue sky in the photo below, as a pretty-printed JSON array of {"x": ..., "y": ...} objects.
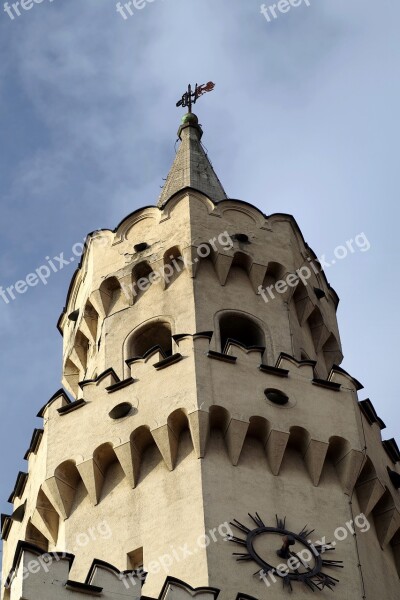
[{"x": 303, "y": 120}]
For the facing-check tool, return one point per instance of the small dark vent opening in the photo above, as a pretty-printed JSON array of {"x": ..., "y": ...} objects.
[
  {"x": 276, "y": 396},
  {"x": 140, "y": 247},
  {"x": 74, "y": 316},
  {"x": 120, "y": 411},
  {"x": 319, "y": 293},
  {"x": 242, "y": 238}
]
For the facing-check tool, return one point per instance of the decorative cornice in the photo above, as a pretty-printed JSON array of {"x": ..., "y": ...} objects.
[
  {"x": 368, "y": 410},
  {"x": 214, "y": 592},
  {"x": 6, "y": 524},
  {"x": 331, "y": 385},
  {"x": 35, "y": 443},
  {"x": 105, "y": 565},
  {"x": 166, "y": 362},
  {"x": 120, "y": 385},
  {"x": 223, "y": 357},
  {"x": 71, "y": 407},
  {"x": 274, "y": 370},
  {"x": 61, "y": 393},
  {"x": 232, "y": 342},
  {"x": 86, "y": 588},
  {"x": 336, "y": 369},
  {"x": 216, "y": 209},
  {"x": 292, "y": 359},
  {"x": 392, "y": 449},
  {"x": 19, "y": 486},
  {"x": 146, "y": 355},
  {"x": 99, "y": 378}
]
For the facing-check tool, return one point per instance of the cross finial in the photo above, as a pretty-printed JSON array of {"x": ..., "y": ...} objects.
[{"x": 189, "y": 98}]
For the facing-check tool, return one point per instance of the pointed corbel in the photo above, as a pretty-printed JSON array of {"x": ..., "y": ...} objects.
[
  {"x": 129, "y": 459},
  {"x": 387, "y": 523},
  {"x": 47, "y": 524},
  {"x": 275, "y": 449},
  {"x": 349, "y": 468},
  {"x": 222, "y": 265},
  {"x": 61, "y": 495},
  {"x": 235, "y": 437},
  {"x": 304, "y": 308},
  {"x": 167, "y": 443},
  {"x": 369, "y": 493},
  {"x": 314, "y": 459},
  {"x": 75, "y": 357},
  {"x": 48, "y": 516},
  {"x": 320, "y": 335},
  {"x": 257, "y": 275},
  {"x": 97, "y": 303},
  {"x": 101, "y": 302},
  {"x": 87, "y": 330},
  {"x": 93, "y": 479},
  {"x": 199, "y": 425}
]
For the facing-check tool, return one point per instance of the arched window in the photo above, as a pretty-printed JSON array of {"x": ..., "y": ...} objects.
[
  {"x": 302, "y": 302},
  {"x": 316, "y": 324},
  {"x": 173, "y": 260},
  {"x": 82, "y": 347},
  {"x": 142, "y": 278},
  {"x": 240, "y": 269},
  {"x": 147, "y": 337},
  {"x": 240, "y": 328},
  {"x": 112, "y": 296},
  {"x": 142, "y": 271},
  {"x": 242, "y": 261},
  {"x": 332, "y": 352},
  {"x": 275, "y": 272},
  {"x": 91, "y": 319}
]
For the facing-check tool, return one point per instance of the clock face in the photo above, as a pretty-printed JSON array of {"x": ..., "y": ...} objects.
[{"x": 280, "y": 553}]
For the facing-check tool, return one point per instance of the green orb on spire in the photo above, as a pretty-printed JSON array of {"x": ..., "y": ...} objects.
[{"x": 190, "y": 118}]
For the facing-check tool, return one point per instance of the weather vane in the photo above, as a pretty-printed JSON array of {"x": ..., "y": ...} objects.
[{"x": 189, "y": 98}]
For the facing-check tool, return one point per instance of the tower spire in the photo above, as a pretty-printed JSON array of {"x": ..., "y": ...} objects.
[{"x": 192, "y": 167}]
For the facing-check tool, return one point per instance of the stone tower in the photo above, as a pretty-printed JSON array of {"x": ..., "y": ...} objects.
[{"x": 211, "y": 428}]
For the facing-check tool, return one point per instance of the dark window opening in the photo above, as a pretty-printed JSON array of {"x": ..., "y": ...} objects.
[
  {"x": 156, "y": 334},
  {"x": 240, "y": 329},
  {"x": 173, "y": 258},
  {"x": 111, "y": 294},
  {"x": 140, "y": 247},
  {"x": 142, "y": 269}
]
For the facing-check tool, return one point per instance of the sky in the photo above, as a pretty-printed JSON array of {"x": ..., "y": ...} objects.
[{"x": 303, "y": 120}]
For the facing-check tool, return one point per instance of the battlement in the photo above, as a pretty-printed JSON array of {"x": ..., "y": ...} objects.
[
  {"x": 37, "y": 574},
  {"x": 139, "y": 272},
  {"x": 289, "y": 410}
]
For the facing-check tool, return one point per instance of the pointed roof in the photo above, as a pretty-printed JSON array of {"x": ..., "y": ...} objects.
[{"x": 191, "y": 167}]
